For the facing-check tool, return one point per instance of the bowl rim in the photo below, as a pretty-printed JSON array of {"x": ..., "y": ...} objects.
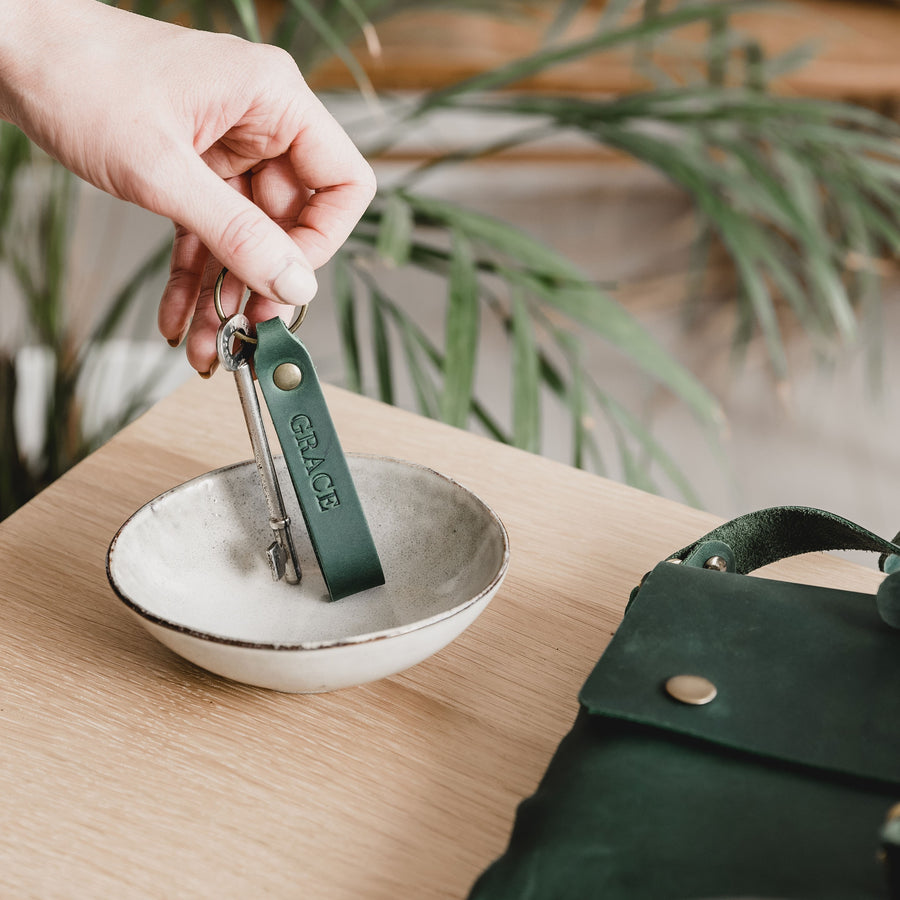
[{"x": 350, "y": 640}]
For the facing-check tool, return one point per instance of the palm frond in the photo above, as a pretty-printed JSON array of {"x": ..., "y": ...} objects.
[
  {"x": 646, "y": 28},
  {"x": 543, "y": 304},
  {"x": 526, "y": 362},
  {"x": 803, "y": 194},
  {"x": 765, "y": 173}
]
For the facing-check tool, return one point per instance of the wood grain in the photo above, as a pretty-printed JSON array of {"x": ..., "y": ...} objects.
[
  {"x": 128, "y": 772},
  {"x": 855, "y": 45}
]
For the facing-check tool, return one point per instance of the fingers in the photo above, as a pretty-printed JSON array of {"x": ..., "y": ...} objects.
[
  {"x": 201, "y": 342},
  {"x": 190, "y": 291},
  {"x": 329, "y": 181},
  {"x": 183, "y": 287},
  {"x": 341, "y": 182},
  {"x": 243, "y": 238},
  {"x": 310, "y": 186},
  {"x": 273, "y": 188},
  {"x": 201, "y": 338}
]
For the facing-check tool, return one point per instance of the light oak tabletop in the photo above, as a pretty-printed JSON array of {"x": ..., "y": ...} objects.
[{"x": 128, "y": 772}]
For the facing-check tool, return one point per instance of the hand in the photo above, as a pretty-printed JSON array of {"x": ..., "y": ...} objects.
[{"x": 218, "y": 134}]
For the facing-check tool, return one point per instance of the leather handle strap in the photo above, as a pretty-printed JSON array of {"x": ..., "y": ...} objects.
[
  {"x": 754, "y": 540},
  {"x": 768, "y": 535}
]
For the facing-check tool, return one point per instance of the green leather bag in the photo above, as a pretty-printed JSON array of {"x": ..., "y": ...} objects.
[{"x": 774, "y": 773}]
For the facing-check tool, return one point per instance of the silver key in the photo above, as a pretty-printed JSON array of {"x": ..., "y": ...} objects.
[{"x": 281, "y": 553}]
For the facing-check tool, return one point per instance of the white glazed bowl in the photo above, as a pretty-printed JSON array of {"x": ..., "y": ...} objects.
[{"x": 191, "y": 566}]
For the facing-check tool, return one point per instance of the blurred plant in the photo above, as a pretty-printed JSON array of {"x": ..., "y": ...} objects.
[
  {"x": 801, "y": 194},
  {"x": 37, "y": 205}
]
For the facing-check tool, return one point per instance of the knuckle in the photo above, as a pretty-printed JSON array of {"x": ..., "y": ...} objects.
[
  {"x": 368, "y": 184},
  {"x": 275, "y": 66},
  {"x": 183, "y": 280},
  {"x": 243, "y": 234},
  {"x": 279, "y": 60}
]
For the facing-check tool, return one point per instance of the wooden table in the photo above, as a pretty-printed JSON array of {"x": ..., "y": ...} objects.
[{"x": 127, "y": 772}]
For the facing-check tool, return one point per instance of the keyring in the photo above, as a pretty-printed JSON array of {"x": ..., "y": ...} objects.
[{"x": 217, "y": 299}]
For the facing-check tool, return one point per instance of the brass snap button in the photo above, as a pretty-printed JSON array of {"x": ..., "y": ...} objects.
[
  {"x": 694, "y": 690},
  {"x": 287, "y": 376}
]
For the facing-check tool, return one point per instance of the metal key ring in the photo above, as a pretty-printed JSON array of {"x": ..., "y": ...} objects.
[{"x": 217, "y": 299}]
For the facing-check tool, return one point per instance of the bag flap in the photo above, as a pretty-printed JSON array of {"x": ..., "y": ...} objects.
[{"x": 803, "y": 674}]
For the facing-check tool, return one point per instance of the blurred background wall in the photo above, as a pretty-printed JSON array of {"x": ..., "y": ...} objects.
[{"x": 822, "y": 432}]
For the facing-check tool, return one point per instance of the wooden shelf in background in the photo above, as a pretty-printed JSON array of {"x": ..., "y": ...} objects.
[{"x": 857, "y": 58}]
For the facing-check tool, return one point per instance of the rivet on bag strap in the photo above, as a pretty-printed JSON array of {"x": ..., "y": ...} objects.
[{"x": 760, "y": 538}]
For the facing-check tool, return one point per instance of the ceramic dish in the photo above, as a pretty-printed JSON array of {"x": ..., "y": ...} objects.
[{"x": 191, "y": 566}]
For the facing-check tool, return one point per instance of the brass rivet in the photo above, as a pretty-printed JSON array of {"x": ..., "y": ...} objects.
[
  {"x": 691, "y": 689},
  {"x": 719, "y": 563},
  {"x": 287, "y": 376}
]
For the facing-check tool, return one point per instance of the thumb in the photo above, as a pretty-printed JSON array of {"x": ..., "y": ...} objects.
[{"x": 242, "y": 237}]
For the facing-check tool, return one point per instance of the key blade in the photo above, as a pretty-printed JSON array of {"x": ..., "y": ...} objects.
[
  {"x": 281, "y": 554},
  {"x": 277, "y": 561}
]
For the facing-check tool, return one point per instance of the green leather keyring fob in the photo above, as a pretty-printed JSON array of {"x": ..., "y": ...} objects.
[{"x": 331, "y": 508}]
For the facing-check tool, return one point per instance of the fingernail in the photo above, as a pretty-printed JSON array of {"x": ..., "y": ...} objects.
[
  {"x": 176, "y": 342},
  {"x": 296, "y": 284},
  {"x": 210, "y": 371}
]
